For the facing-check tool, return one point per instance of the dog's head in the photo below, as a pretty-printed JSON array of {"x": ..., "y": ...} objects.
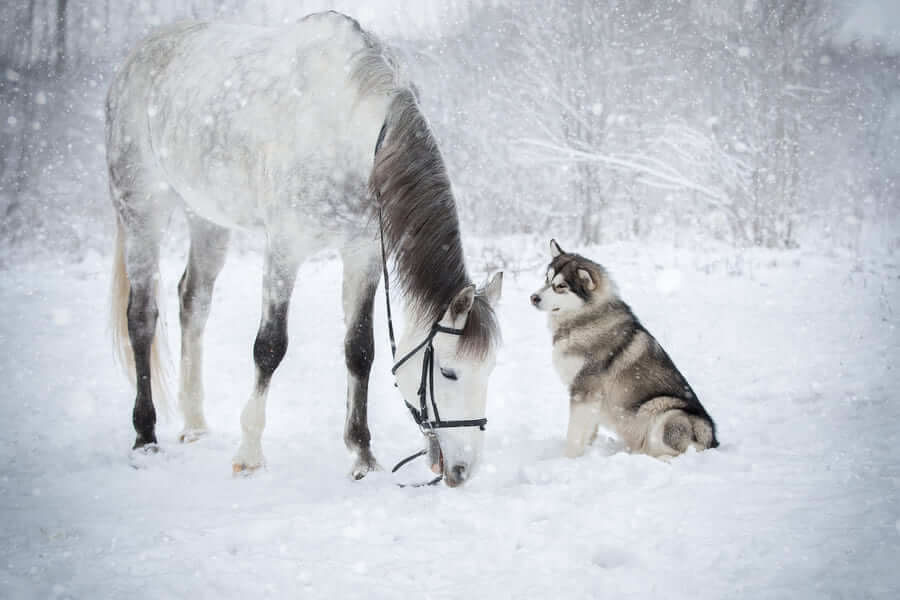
[{"x": 572, "y": 283}]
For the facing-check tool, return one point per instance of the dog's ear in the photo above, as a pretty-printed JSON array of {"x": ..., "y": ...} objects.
[
  {"x": 493, "y": 289},
  {"x": 555, "y": 250},
  {"x": 587, "y": 279}
]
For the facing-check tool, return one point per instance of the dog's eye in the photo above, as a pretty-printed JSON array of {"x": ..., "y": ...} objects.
[
  {"x": 449, "y": 374},
  {"x": 562, "y": 287}
]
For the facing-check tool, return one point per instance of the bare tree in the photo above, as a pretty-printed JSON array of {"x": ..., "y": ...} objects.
[{"x": 60, "y": 37}]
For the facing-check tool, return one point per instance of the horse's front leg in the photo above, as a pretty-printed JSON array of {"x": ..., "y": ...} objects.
[
  {"x": 281, "y": 263},
  {"x": 361, "y": 272}
]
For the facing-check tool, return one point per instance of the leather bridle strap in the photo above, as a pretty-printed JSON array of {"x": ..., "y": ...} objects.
[{"x": 426, "y": 386}]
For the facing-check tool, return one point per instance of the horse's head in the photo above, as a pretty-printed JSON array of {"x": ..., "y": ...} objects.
[{"x": 462, "y": 365}]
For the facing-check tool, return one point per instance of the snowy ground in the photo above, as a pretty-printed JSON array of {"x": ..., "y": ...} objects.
[{"x": 794, "y": 355}]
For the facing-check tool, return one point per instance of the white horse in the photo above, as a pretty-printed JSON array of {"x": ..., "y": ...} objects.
[{"x": 304, "y": 133}]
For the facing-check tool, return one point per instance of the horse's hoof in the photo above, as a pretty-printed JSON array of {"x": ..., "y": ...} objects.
[
  {"x": 141, "y": 443},
  {"x": 242, "y": 470},
  {"x": 362, "y": 466},
  {"x": 189, "y": 436},
  {"x": 148, "y": 448}
]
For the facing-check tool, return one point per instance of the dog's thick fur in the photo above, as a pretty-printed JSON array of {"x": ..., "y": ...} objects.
[{"x": 617, "y": 373}]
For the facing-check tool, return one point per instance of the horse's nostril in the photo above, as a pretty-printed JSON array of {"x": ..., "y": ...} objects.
[
  {"x": 456, "y": 476},
  {"x": 535, "y": 299}
]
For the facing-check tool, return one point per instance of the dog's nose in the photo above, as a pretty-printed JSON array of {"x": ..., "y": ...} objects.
[{"x": 535, "y": 299}]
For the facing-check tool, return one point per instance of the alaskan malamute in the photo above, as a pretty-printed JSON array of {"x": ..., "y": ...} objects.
[{"x": 617, "y": 373}]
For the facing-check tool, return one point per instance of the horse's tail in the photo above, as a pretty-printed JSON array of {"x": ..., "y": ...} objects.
[{"x": 118, "y": 324}]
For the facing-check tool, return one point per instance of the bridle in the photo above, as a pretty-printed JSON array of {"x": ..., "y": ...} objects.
[{"x": 420, "y": 414}]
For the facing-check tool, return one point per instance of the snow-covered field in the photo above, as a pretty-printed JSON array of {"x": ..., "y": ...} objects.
[{"x": 794, "y": 354}]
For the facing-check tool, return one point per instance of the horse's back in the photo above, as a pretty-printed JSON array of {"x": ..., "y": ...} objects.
[{"x": 246, "y": 122}]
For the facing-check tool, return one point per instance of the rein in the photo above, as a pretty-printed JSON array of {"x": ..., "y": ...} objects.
[{"x": 420, "y": 414}]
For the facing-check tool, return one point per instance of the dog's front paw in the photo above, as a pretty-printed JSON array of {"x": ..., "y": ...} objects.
[{"x": 574, "y": 450}]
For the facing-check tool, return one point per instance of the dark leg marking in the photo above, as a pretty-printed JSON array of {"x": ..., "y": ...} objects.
[
  {"x": 269, "y": 349},
  {"x": 142, "y": 315},
  {"x": 271, "y": 343},
  {"x": 209, "y": 245},
  {"x": 359, "y": 353}
]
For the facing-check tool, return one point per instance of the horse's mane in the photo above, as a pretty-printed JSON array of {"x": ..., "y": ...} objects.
[{"x": 421, "y": 228}]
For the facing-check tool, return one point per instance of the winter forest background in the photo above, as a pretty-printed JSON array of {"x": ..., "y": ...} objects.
[{"x": 756, "y": 122}]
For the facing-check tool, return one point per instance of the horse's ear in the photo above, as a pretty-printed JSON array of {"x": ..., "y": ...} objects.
[
  {"x": 555, "y": 250},
  {"x": 461, "y": 305},
  {"x": 493, "y": 289}
]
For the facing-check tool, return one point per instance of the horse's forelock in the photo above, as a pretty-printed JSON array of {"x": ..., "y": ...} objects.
[{"x": 482, "y": 331}]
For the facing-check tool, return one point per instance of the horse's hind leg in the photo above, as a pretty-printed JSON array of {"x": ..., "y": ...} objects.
[
  {"x": 142, "y": 315},
  {"x": 361, "y": 272},
  {"x": 209, "y": 245},
  {"x": 141, "y": 216},
  {"x": 280, "y": 272}
]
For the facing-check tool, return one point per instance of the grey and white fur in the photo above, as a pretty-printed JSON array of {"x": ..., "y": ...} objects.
[{"x": 618, "y": 375}]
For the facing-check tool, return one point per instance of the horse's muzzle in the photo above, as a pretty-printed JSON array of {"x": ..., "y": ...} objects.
[{"x": 456, "y": 475}]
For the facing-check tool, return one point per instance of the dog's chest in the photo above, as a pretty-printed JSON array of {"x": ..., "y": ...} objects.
[{"x": 567, "y": 364}]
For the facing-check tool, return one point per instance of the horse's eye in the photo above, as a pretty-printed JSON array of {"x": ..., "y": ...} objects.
[{"x": 449, "y": 374}]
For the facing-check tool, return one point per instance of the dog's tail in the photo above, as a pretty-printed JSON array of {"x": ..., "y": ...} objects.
[{"x": 120, "y": 289}]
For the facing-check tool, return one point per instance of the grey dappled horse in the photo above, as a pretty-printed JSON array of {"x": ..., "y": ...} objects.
[{"x": 275, "y": 130}]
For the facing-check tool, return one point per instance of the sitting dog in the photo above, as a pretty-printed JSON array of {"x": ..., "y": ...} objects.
[{"x": 617, "y": 374}]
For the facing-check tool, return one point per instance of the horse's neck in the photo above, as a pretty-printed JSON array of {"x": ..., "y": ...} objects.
[{"x": 416, "y": 328}]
